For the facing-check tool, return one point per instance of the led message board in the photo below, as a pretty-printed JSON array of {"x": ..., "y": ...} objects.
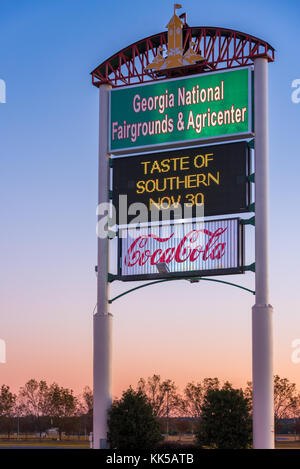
[
  {"x": 213, "y": 178},
  {"x": 206, "y": 107},
  {"x": 183, "y": 250}
]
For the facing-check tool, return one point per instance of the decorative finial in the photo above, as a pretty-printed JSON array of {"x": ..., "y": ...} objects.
[{"x": 176, "y": 5}]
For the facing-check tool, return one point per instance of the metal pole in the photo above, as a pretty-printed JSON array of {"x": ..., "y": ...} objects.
[
  {"x": 102, "y": 318},
  {"x": 262, "y": 312}
]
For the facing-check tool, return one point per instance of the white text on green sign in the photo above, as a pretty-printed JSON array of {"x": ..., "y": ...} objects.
[{"x": 203, "y": 107}]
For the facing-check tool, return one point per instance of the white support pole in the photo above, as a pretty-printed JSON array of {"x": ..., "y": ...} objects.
[
  {"x": 102, "y": 318},
  {"x": 262, "y": 312}
]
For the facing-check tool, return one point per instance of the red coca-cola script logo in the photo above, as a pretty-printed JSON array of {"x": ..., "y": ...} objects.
[{"x": 139, "y": 252}]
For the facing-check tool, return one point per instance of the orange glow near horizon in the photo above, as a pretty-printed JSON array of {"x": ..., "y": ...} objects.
[{"x": 168, "y": 337}]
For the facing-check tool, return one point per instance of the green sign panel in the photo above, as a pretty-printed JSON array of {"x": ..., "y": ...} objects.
[{"x": 201, "y": 108}]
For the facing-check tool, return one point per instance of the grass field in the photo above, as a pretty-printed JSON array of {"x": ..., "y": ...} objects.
[
  {"x": 289, "y": 443},
  {"x": 44, "y": 444}
]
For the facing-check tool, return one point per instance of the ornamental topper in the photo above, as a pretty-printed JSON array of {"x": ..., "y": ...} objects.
[{"x": 176, "y": 57}]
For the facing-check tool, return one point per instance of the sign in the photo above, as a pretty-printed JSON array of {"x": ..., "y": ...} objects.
[
  {"x": 211, "y": 178},
  {"x": 181, "y": 250},
  {"x": 206, "y": 107}
]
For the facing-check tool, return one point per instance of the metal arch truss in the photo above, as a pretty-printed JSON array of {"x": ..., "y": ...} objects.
[
  {"x": 222, "y": 48},
  {"x": 192, "y": 280}
]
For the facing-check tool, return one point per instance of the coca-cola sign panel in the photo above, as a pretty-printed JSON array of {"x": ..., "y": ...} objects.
[{"x": 182, "y": 250}]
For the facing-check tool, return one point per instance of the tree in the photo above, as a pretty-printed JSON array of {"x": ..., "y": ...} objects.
[
  {"x": 62, "y": 406},
  {"x": 297, "y": 414},
  {"x": 87, "y": 396},
  {"x": 85, "y": 410},
  {"x": 87, "y": 418},
  {"x": 162, "y": 395},
  {"x": 7, "y": 405},
  {"x": 194, "y": 395},
  {"x": 297, "y": 426},
  {"x": 34, "y": 401},
  {"x": 248, "y": 392},
  {"x": 225, "y": 419},
  {"x": 131, "y": 422},
  {"x": 286, "y": 400}
]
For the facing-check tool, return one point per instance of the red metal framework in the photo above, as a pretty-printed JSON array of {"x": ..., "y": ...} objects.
[{"x": 222, "y": 49}]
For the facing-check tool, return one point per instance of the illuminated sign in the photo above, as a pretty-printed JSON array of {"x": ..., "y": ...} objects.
[
  {"x": 181, "y": 250},
  {"x": 213, "y": 178},
  {"x": 206, "y": 107}
]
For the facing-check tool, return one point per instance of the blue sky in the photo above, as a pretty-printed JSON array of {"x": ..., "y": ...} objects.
[{"x": 48, "y": 167}]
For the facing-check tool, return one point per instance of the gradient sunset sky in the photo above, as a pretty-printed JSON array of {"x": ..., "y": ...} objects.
[{"x": 48, "y": 167}]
